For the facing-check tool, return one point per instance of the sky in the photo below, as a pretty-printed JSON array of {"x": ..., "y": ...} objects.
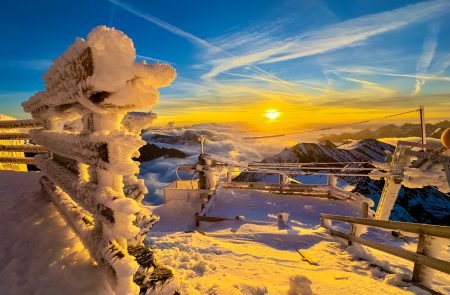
[{"x": 312, "y": 62}]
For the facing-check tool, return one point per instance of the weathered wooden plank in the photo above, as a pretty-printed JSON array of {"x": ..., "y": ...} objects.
[
  {"x": 306, "y": 258},
  {"x": 16, "y": 160},
  {"x": 418, "y": 228},
  {"x": 199, "y": 218},
  {"x": 13, "y": 124},
  {"x": 81, "y": 148},
  {"x": 23, "y": 148},
  {"x": 63, "y": 82},
  {"x": 15, "y": 135},
  {"x": 83, "y": 194},
  {"x": 68, "y": 163},
  {"x": 89, "y": 232},
  {"x": 67, "y": 207}
]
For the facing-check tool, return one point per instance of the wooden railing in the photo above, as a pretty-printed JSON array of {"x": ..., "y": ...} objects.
[
  {"x": 14, "y": 144},
  {"x": 422, "y": 258},
  {"x": 89, "y": 172}
]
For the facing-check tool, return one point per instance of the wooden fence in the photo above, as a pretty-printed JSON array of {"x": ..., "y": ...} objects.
[
  {"x": 89, "y": 172},
  {"x": 14, "y": 144},
  {"x": 422, "y": 258}
]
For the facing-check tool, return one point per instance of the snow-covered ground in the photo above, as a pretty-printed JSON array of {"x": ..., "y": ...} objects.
[
  {"x": 246, "y": 257},
  {"x": 40, "y": 255}
]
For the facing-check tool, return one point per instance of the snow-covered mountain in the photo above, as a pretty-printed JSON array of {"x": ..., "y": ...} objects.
[
  {"x": 391, "y": 130},
  {"x": 364, "y": 150},
  {"x": 425, "y": 205}
]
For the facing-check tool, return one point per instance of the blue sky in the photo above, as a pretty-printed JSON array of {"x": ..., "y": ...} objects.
[{"x": 321, "y": 60}]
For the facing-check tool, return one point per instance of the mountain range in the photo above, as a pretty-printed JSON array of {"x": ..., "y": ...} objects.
[
  {"x": 424, "y": 205},
  {"x": 391, "y": 130}
]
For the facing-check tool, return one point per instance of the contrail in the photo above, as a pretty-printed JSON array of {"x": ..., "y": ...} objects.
[
  {"x": 429, "y": 49},
  {"x": 433, "y": 78},
  {"x": 179, "y": 32},
  {"x": 164, "y": 25},
  {"x": 155, "y": 59}
]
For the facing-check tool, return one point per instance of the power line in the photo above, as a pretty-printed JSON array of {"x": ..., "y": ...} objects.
[{"x": 331, "y": 127}]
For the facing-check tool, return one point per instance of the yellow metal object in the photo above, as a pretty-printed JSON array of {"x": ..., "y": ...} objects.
[{"x": 445, "y": 138}]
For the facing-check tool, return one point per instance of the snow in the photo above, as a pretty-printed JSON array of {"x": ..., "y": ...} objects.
[
  {"x": 39, "y": 254},
  {"x": 230, "y": 257},
  {"x": 257, "y": 254},
  {"x": 114, "y": 54},
  {"x": 99, "y": 82},
  {"x": 265, "y": 206},
  {"x": 104, "y": 64}
]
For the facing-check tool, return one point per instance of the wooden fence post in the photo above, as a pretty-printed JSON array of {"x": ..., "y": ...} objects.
[
  {"x": 365, "y": 210},
  {"x": 416, "y": 277}
]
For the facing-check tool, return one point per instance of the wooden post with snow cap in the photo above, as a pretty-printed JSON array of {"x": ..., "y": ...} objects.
[{"x": 91, "y": 177}]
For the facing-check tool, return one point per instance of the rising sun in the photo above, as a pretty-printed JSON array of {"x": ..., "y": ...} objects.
[{"x": 272, "y": 114}]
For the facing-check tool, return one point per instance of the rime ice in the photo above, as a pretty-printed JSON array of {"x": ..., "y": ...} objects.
[{"x": 92, "y": 133}]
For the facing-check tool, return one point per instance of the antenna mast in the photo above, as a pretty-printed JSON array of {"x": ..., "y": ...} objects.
[{"x": 422, "y": 124}]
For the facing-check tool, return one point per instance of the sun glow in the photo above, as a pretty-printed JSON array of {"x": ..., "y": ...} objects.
[{"x": 272, "y": 114}]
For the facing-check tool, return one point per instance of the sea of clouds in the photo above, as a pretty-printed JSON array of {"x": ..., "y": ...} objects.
[{"x": 226, "y": 141}]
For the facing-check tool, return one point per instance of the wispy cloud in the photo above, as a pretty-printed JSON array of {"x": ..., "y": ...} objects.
[
  {"x": 347, "y": 33},
  {"x": 154, "y": 59},
  {"x": 411, "y": 76},
  {"x": 372, "y": 87},
  {"x": 186, "y": 35},
  {"x": 429, "y": 48},
  {"x": 239, "y": 72},
  {"x": 31, "y": 64},
  {"x": 162, "y": 24}
]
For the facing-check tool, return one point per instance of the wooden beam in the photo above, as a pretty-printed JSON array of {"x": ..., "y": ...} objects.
[
  {"x": 83, "y": 194},
  {"x": 432, "y": 262},
  {"x": 418, "y": 228},
  {"x": 83, "y": 149},
  {"x": 16, "y": 135},
  {"x": 13, "y": 124},
  {"x": 16, "y": 160},
  {"x": 418, "y": 267},
  {"x": 306, "y": 257},
  {"x": 23, "y": 148},
  {"x": 199, "y": 218}
]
